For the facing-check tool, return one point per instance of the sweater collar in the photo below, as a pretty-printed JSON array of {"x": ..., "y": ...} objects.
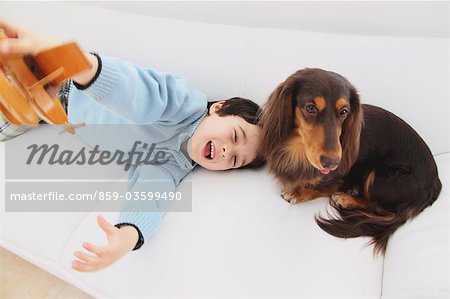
[{"x": 181, "y": 156}]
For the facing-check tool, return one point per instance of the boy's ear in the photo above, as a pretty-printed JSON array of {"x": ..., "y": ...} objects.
[{"x": 215, "y": 107}]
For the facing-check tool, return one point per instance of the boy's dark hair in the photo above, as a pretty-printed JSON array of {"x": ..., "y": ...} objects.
[{"x": 250, "y": 112}]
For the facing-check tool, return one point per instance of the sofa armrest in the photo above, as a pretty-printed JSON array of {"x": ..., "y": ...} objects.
[{"x": 417, "y": 260}]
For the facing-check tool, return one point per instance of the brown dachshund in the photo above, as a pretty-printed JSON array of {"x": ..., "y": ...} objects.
[{"x": 320, "y": 141}]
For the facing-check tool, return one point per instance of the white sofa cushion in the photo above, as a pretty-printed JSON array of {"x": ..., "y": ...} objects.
[{"x": 251, "y": 245}]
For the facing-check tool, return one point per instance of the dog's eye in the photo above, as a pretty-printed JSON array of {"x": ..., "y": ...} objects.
[
  {"x": 311, "y": 109},
  {"x": 343, "y": 114}
]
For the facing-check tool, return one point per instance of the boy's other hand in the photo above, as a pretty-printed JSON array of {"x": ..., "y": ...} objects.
[
  {"x": 22, "y": 41},
  {"x": 120, "y": 242}
]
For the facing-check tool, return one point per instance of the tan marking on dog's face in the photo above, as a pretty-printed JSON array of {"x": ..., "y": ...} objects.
[
  {"x": 312, "y": 138},
  {"x": 320, "y": 103},
  {"x": 341, "y": 103}
]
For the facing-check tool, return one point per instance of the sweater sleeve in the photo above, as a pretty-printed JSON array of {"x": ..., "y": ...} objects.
[
  {"x": 144, "y": 182},
  {"x": 144, "y": 96}
]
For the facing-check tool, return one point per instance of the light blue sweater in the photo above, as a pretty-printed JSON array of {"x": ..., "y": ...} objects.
[{"x": 149, "y": 106}]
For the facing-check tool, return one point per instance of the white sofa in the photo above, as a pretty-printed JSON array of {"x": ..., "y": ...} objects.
[{"x": 244, "y": 240}]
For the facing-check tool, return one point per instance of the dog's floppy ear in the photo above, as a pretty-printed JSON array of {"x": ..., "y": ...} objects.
[
  {"x": 277, "y": 118},
  {"x": 351, "y": 132}
]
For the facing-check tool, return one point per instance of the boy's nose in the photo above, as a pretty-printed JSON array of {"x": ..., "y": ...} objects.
[{"x": 226, "y": 152}]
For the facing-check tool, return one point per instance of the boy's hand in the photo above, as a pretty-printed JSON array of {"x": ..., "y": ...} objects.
[
  {"x": 21, "y": 41},
  {"x": 120, "y": 241}
]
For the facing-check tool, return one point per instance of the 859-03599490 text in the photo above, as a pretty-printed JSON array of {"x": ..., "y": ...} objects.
[{"x": 97, "y": 195}]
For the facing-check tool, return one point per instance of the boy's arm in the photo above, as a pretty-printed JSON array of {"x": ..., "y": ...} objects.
[
  {"x": 138, "y": 222},
  {"x": 141, "y": 95},
  {"x": 144, "y": 210}
]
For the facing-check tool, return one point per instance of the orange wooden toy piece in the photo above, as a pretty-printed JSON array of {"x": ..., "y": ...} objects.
[{"x": 23, "y": 97}]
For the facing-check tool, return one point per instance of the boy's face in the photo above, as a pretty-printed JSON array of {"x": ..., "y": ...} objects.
[{"x": 224, "y": 142}]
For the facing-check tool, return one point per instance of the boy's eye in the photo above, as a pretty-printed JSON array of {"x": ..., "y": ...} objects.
[
  {"x": 234, "y": 161},
  {"x": 235, "y": 135}
]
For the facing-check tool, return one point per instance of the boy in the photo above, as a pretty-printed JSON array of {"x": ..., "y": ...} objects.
[{"x": 217, "y": 136}]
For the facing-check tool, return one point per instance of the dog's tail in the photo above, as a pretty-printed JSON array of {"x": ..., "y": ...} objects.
[{"x": 372, "y": 222}]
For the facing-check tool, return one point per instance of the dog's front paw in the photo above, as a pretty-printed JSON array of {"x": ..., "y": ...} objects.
[
  {"x": 342, "y": 200},
  {"x": 289, "y": 197}
]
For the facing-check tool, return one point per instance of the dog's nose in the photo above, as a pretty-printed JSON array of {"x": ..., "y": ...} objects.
[{"x": 329, "y": 162}]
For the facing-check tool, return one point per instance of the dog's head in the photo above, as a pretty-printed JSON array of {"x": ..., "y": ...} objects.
[{"x": 318, "y": 115}]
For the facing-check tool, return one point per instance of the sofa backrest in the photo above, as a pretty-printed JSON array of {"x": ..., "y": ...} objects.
[{"x": 404, "y": 69}]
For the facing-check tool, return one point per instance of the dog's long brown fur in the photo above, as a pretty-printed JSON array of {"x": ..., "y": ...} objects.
[{"x": 320, "y": 141}]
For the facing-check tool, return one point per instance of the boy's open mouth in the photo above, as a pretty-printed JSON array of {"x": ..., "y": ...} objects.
[{"x": 209, "y": 150}]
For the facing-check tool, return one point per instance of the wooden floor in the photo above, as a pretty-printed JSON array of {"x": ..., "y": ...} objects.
[{"x": 20, "y": 279}]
